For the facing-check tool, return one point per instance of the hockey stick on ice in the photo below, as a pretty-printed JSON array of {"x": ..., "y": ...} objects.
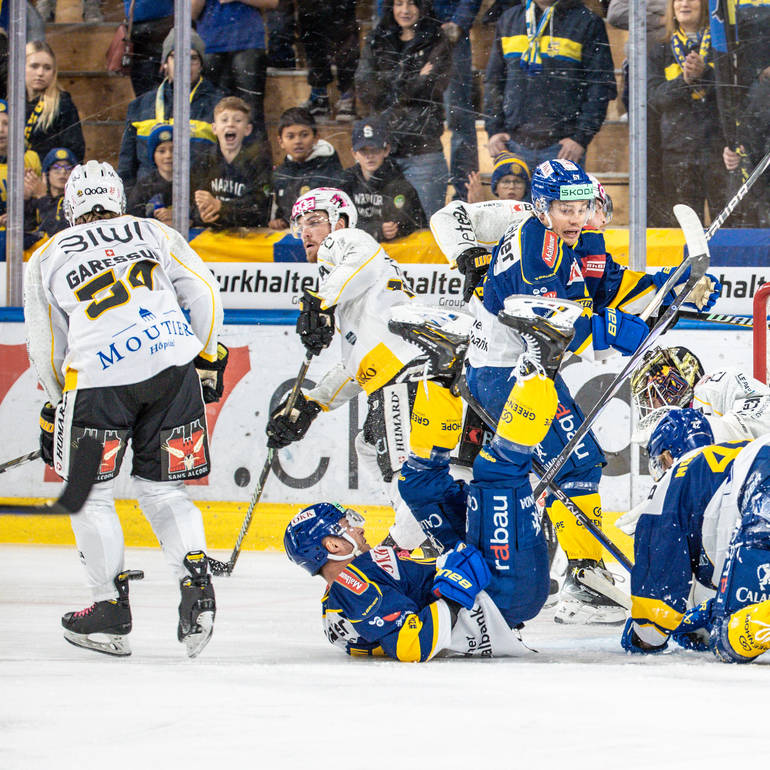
[
  {"x": 20, "y": 460},
  {"x": 698, "y": 261},
  {"x": 560, "y": 494},
  {"x": 226, "y": 568},
  {"x": 85, "y": 464}
]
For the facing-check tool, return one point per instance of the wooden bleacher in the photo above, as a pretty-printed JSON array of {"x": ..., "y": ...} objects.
[{"x": 102, "y": 99}]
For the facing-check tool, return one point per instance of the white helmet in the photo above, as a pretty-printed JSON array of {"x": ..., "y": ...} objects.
[
  {"x": 93, "y": 186},
  {"x": 329, "y": 199},
  {"x": 603, "y": 197}
]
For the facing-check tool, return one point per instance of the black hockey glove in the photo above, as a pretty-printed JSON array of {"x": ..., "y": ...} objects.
[
  {"x": 212, "y": 374},
  {"x": 47, "y": 423},
  {"x": 283, "y": 429},
  {"x": 314, "y": 325},
  {"x": 473, "y": 264}
]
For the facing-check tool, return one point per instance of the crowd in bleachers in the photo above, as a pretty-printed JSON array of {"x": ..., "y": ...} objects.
[{"x": 548, "y": 82}]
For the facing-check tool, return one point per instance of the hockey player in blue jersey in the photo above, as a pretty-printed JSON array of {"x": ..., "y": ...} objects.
[
  {"x": 475, "y": 598},
  {"x": 707, "y": 519},
  {"x": 551, "y": 254}
]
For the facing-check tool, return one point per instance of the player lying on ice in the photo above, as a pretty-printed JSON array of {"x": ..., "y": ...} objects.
[
  {"x": 708, "y": 520},
  {"x": 475, "y": 598},
  {"x": 546, "y": 250}
]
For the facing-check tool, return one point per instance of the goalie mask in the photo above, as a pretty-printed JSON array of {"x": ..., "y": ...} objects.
[
  {"x": 304, "y": 535},
  {"x": 334, "y": 202},
  {"x": 93, "y": 187}
]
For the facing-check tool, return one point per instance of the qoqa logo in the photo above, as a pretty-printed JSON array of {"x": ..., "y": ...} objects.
[{"x": 95, "y": 190}]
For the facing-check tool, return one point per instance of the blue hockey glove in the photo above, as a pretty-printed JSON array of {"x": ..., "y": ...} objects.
[
  {"x": 630, "y": 642},
  {"x": 625, "y": 332},
  {"x": 694, "y": 631},
  {"x": 702, "y": 297},
  {"x": 463, "y": 574}
]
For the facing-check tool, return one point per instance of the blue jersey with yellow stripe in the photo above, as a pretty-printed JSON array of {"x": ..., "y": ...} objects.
[
  {"x": 671, "y": 543},
  {"x": 382, "y": 604}
]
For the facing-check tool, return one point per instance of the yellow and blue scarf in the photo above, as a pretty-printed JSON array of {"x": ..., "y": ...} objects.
[
  {"x": 681, "y": 45},
  {"x": 531, "y": 60}
]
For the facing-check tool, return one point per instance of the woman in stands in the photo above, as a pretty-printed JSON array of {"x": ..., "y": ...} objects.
[
  {"x": 52, "y": 118},
  {"x": 681, "y": 88},
  {"x": 403, "y": 72}
]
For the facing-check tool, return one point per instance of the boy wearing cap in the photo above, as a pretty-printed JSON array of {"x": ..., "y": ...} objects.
[
  {"x": 151, "y": 195},
  {"x": 388, "y": 206},
  {"x": 231, "y": 185},
  {"x": 510, "y": 180},
  {"x": 157, "y": 106},
  {"x": 45, "y": 212}
]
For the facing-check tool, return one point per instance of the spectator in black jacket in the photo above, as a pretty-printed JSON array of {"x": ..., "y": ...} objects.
[
  {"x": 680, "y": 83},
  {"x": 310, "y": 162},
  {"x": 52, "y": 118},
  {"x": 157, "y": 106},
  {"x": 403, "y": 72},
  {"x": 388, "y": 206},
  {"x": 232, "y": 184},
  {"x": 45, "y": 214},
  {"x": 151, "y": 195}
]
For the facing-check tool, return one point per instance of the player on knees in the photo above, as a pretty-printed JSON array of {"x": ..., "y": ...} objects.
[
  {"x": 708, "y": 519},
  {"x": 404, "y": 373},
  {"x": 118, "y": 359}
]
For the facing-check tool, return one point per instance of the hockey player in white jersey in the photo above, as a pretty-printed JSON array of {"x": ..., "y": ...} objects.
[
  {"x": 117, "y": 358},
  {"x": 359, "y": 287}
]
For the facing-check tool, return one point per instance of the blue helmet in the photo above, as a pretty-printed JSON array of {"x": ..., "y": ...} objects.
[
  {"x": 304, "y": 535},
  {"x": 680, "y": 431},
  {"x": 560, "y": 180}
]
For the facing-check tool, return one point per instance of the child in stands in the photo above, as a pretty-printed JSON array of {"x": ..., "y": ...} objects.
[
  {"x": 45, "y": 213},
  {"x": 151, "y": 195}
]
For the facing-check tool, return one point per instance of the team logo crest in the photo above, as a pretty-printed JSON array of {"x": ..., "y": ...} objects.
[
  {"x": 113, "y": 448},
  {"x": 763, "y": 576},
  {"x": 185, "y": 452}
]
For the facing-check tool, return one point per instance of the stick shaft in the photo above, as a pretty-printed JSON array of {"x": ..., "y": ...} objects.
[{"x": 20, "y": 460}]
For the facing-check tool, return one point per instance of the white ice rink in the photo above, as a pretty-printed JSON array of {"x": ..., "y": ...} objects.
[{"x": 269, "y": 691}]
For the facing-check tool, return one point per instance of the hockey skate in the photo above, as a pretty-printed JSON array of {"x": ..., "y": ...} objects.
[
  {"x": 198, "y": 606},
  {"x": 581, "y": 604},
  {"x": 105, "y": 625},
  {"x": 545, "y": 336}
]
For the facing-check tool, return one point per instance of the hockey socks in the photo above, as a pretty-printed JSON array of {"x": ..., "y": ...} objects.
[{"x": 575, "y": 540}]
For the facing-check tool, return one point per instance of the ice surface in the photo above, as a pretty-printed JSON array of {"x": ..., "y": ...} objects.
[{"x": 270, "y": 692}]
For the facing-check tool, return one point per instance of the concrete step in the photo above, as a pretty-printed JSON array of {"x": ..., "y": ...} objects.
[
  {"x": 80, "y": 47},
  {"x": 97, "y": 95}
]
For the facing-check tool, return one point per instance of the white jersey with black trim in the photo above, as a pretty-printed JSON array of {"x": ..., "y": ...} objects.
[
  {"x": 103, "y": 305},
  {"x": 737, "y": 406},
  {"x": 363, "y": 283}
]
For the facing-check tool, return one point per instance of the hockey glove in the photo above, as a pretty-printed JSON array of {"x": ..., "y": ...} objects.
[
  {"x": 631, "y": 642},
  {"x": 283, "y": 429},
  {"x": 212, "y": 374},
  {"x": 625, "y": 332},
  {"x": 314, "y": 325},
  {"x": 462, "y": 575},
  {"x": 47, "y": 424},
  {"x": 473, "y": 264},
  {"x": 702, "y": 296},
  {"x": 694, "y": 632}
]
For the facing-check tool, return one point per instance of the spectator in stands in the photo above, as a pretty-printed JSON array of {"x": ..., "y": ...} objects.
[
  {"x": 754, "y": 141},
  {"x": 403, "y": 72},
  {"x": 281, "y": 25},
  {"x": 310, "y": 162},
  {"x": 234, "y": 35},
  {"x": 329, "y": 32},
  {"x": 151, "y": 195},
  {"x": 549, "y": 80},
  {"x": 35, "y": 31},
  {"x": 681, "y": 87},
  {"x": 388, "y": 206},
  {"x": 92, "y": 12},
  {"x": 153, "y": 107},
  {"x": 52, "y": 118},
  {"x": 232, "y": 186},
  {"x": 45, "y": 213},
  {"x": 752, "y": 19},
  {"x": 510, "y": 180},
  {"x": 152, "y": 21},
  {"x": 33, "y": 183}
]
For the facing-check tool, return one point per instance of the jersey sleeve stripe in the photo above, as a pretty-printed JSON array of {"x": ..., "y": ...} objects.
[
  {"x": 211, "y": 292},
  {"x": 655, "y": 611},
  {"x": 53, "y": 347}
]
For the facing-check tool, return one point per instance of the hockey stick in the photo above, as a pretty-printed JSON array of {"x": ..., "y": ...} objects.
[
  {"x": 226, "y": 568},
  {"x": 85, "y": 464},
  {"x": 698, "y": 261},
  {"x": 724, "y": 319},
  {"x": 558, "y": 492},
  {"x": 20, "y": 460}
]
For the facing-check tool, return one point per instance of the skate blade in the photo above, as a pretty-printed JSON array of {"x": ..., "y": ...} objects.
[
  {"x": 581, "y": 614},
  {"x": 109, "y": 644},
  {"x": 194, "y": 643}
]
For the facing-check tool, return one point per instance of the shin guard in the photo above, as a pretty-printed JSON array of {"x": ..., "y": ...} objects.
[{"x": 576, "y": 541}]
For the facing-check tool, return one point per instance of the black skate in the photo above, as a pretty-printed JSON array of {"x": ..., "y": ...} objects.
[
  {"x": 104, "y": 625},
  {"x": 198, "y": 606},
  {"x": 581, "y": 604}
]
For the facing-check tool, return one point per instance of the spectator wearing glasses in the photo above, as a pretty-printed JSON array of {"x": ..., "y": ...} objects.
[{"x": 46, "y": 213}]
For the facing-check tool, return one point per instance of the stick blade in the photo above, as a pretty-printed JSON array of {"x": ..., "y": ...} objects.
[{"x": 692, "y": 228}]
